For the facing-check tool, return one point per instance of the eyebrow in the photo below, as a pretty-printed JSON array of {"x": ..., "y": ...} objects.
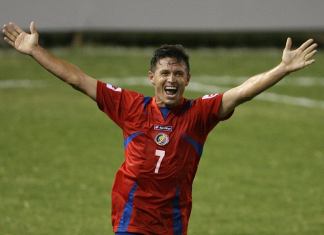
[{"x": 175, "y": 71}]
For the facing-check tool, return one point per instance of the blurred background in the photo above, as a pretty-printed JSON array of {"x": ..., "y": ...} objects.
[
  {"x": 252, "y": 23},
  {"x": 261, "y": 172}
]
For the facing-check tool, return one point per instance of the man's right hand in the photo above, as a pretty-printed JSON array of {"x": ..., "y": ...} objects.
[{"x": 20, "y": 40}]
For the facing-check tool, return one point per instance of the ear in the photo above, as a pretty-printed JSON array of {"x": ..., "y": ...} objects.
[
  {"x": 151, "y": 77},
  {"x": 188, "y": 80}
]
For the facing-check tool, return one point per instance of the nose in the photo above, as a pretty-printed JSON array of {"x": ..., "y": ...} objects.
[{"x": 171, "y": 78}]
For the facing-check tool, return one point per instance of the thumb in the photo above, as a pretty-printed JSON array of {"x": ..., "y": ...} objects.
[
  {"x": 288, "y": 43},
  {"x": 32, "y": 27}
]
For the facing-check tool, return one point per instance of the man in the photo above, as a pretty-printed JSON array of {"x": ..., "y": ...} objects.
[{"x": 163, "y": 135}]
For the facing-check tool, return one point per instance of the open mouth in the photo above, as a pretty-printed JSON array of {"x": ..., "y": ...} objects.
[{"x": 170, "y": 90}]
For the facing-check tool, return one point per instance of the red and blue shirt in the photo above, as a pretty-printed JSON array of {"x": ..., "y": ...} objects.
[{"x": 152, "y": 189}]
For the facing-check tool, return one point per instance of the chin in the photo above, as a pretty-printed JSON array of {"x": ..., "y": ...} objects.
[{"x": 171, "y": 103}]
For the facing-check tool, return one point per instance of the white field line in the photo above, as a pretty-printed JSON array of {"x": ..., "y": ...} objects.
[
  {"x": 199, "y": 87},
  {"x": 266, "y": 96},
  {"x": 205, "y": 79},
  {"x": 195, "y": 86},
  {"x": 23, "y": 83},
  {"x": 288, "y": 81}
]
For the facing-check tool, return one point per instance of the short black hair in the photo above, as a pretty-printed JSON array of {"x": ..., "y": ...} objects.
[{"x": 173, "y": 51}]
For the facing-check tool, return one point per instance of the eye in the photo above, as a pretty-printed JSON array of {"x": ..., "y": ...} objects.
[
  {"x": 165, "y": 73},
  {"x": 179, "y": 74}
]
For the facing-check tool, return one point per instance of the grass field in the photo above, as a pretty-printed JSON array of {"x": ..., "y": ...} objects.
[{"x": 261, "y": 173}]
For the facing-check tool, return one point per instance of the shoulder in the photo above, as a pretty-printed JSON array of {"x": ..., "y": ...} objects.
[
  {"x": 108, "y": 88},
  {"x": 207, "y": 100}
]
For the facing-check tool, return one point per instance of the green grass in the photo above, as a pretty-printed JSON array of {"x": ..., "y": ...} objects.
[{"x": 261, "y": 172}]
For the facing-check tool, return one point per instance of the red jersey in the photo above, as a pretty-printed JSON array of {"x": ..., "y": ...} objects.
[{"x": 152, "y": 188}]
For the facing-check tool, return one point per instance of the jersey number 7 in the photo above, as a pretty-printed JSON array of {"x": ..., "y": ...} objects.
[{"x": 159, "y": 153}]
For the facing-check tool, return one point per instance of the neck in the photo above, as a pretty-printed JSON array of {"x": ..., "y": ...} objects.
[{"x": 161, "y": 104}]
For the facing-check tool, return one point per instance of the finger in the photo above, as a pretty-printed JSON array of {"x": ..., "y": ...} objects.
[
  {"x": 6, "y": 28},
  {"x": 9, "y": 35},
  {"x": 288, "y": 43},
  {"x": 310, "y": 55},
  {"x": 306, "y": 44},
  {"x": 17, "y": 29},
  {"x": 309, "y": 62},
  {"x": 32, "y": 27},
  {"x": 12, "y": 30},
  {"x": 8, "y": 31},
  {"x": 9, "y": 41},
  {"x": 310, "y": 48}
]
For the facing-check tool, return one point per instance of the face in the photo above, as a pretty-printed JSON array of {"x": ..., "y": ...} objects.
[{"x": 169, "y": 80}]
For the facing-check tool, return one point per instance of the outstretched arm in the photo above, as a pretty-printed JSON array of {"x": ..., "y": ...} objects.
[
  {"x": 28, "y": 44},
  {"x": 292, "y": 60}
]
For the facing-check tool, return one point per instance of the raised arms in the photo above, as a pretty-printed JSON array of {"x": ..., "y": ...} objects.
[
  {"x": 28, "y": 44},
  {"x": 292, "y": 60}
]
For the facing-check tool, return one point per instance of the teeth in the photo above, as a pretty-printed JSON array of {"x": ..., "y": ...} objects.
[{"x": 170, "y": 88}]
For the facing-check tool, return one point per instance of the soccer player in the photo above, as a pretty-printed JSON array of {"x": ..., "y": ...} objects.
[{"x": 164, "y": 135}]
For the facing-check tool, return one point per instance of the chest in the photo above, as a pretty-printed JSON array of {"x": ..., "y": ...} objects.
[
  {"x": 163, "y": 130},
  {"x": 158, "y": 146}
]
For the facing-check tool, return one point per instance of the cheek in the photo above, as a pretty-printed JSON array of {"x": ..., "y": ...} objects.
[
  {"x": 158, "y": 87},
  {"x": 154, "y": 81},
  {"x": 184, "y": 83},
  {"x": 159, "y": 83}
]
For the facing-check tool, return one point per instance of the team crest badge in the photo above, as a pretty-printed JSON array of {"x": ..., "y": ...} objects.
[{"x": 161, "y": 139}]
